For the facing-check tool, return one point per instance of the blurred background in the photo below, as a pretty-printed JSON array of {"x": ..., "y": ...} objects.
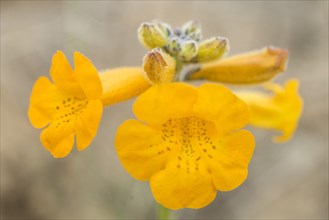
[{"x": 286, "y": 181}]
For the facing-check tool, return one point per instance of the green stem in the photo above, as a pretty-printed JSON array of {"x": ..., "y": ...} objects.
[
  {"x": 179, "y": 66},
  {"x": 163, "y": 213}
]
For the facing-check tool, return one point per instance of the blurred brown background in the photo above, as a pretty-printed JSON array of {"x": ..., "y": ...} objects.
[{"x": 286, "y": 181}]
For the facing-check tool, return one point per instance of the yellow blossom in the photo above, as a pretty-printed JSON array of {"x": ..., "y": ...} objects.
[
  {"x": 72, "y": 106},
  {"x": 280, "y": 111},
  {"x": 187, "y": 143}
]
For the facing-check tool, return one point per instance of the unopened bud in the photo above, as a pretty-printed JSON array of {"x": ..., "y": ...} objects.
[
  {"x": 165, "y": 28},
  {"x": 189, "y": 51},
  {"x": 174, "y": 46},
  {"x": 247, "y": 68},
  {"x": 212, "y": 48},
  {"x": 159, "y": 66},
  {"x": 151, "y": 36},
  {"x": 192, "y": 30}
]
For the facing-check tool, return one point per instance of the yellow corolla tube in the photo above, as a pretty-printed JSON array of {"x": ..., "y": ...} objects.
[
  {"x": 70, "y": 107},
  {"x": 280, "y": 110},
  {"x": 122, "y": 83},
  {"x": 249, "y": 68}
]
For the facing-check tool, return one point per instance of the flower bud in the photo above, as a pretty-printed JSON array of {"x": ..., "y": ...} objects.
[
  {"x": 151, "y": 36},
  {"x": 174, "y": 46},
  {"x": 189, "y": 51},
  {"x": 159, "y": 66},
  {"x": 212, "y": 48},
  {"x": 192, "y": 30},
  {"x": 165, "y": 28},
  {"x": 247, "y": 68}
]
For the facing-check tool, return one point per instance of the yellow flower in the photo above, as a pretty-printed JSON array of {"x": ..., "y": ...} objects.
[
  {"x": 280, "y": 111},
  {"x": 188, "y": 143},
  {"x": 71, "y": 106}
]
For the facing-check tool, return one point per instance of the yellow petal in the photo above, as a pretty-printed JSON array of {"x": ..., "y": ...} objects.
[
  {"x": 230, "y": 159},
  {"x": 254, "y": 67},
  {"x": 43, "y": 100},
  {"x": 140, "y": 150},
  {"x": 87, "y": 123},
  {"x": 161, "y": 102},
  {"x": 280, "y": 111},
  {"x": 58, "y": 137},
  {"x": 184, "y": 158},
  {"x": 58, "y": 140},
  {"x": 218, "y": 104},
  {"x": 87, "y": 76},
  {"x": 63, "y": 75},
  {"x": 121, "y": 84},
  {"x": 174, "y": 188}
]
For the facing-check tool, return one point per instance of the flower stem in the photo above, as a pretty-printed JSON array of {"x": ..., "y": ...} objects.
[
  {"x": 179, "y": 66},
  {"x": 163, "y": 213}
]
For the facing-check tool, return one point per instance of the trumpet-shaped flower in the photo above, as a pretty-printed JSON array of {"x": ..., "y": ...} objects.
[
  {"x": 280, "y": 111},
  {"x": 71, "y": 105},
  {"x": 188, "y": 143}
]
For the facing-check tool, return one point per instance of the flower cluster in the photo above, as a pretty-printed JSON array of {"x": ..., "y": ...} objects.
[
  {"x": 183, "y": 43},
  {"x": 188, "y": 141}
]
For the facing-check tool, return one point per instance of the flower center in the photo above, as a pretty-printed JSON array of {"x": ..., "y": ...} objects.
[
  {"x": 69, "y": 109},
  {"x": 192, "y": 139}
]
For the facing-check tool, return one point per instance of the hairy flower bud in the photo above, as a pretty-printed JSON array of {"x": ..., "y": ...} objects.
[
  {"x": 174, "y": 46},
  {"x": 192, "y": 30},
  {"x": 189, "y": 51},
  {"x": 159, "y": 66},
  {"x": 212, "y": 49},
  {"x": 165, "y": 28},
  {"x": 151, "y": 36}
]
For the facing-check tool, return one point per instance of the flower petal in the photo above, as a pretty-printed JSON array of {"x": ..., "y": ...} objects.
[
  {"x": 87, "y": 76},
  {"x": 174, "y": 188},
  {"x": 160, "y": 103},
  {"x": 43, "y": 100},
  {"x": 58, "y": 137},
  {"x": 218, "y": 104},
  {"x": 63, "y": 75},
  {"x": 87, "y": 123},
  {"x": 280, "y": 111},
  {"x": 139, "y": 149},
  {"x": 229, "y": 165},
  {"x": 58, "y": 140}
]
